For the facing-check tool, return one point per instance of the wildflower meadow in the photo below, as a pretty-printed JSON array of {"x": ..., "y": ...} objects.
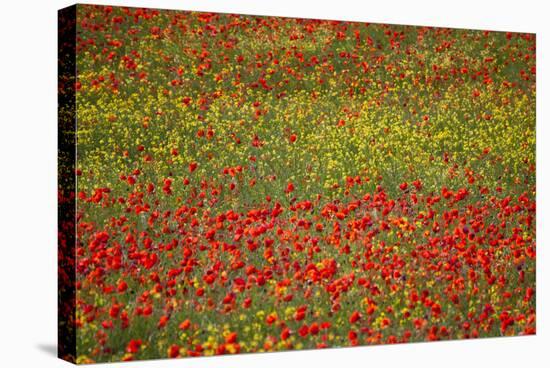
[{"x": 252, "y": 184}]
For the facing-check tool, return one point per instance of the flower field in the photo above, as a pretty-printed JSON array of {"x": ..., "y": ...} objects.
[{"x": 252, "y": 184}]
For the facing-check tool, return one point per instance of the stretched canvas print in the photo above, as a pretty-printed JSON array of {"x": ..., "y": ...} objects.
[{"x": 238, "y": 184}]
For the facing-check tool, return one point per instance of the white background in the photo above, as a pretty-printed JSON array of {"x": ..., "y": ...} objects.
[{"x": 28, "y": 141}]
